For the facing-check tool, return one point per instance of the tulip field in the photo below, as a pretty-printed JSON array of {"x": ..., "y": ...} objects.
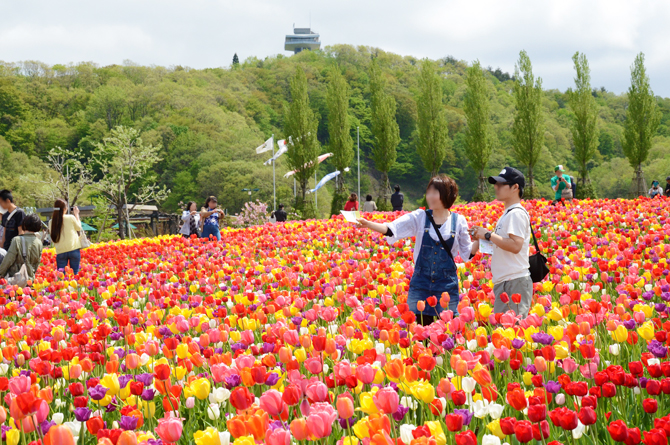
[{"x": 299, "y": 332}]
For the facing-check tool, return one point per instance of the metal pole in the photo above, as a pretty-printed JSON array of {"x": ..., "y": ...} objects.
[
  {"x": 294, "y": 192},
  {"x": 274, "y": 187},
  {"x": 316, "y": 193},
  {"x": 358, "y": 142}
]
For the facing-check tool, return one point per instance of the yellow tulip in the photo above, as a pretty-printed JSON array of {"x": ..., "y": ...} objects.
[
  {"x": 245, "y": 440},
  {"x": 424, "y": 391},
  {"x": 362, "y": 428},
  {"x": 350, "y": 440},
  {"x": 620, "y": 334},
  {"x": 201, "y": 388},
  {"x": 111, "y": 382},
  {"x": 367, "y": 404},
  {"x": 182, "y": 351},
  {"x": 495, "y": 429},
  {"x": 437, "y": 432},
  {"x": 646, "y": 331},
  {"x": 300, "y": 355},
  {"x": 210, "y": 437},
  {"x": 561, "y": 351},
  {"x": 527, "y": 378},
  {"x": 485, "y": 310}
]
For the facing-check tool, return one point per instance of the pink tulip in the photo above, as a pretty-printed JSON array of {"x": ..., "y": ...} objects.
[
  {"x": 169, "y": 429},
  {"x": 245, "y": 361},
  {"x": 317, "y": 391},
  {"x": 502, "y": 353},
  {"x": 313, "y": 365},
  {"x": 366, "y": 374},
  {"x": 589, "y": 370},
  {"x": 320, "y": 425},
  {"x": 271, "y": 401},
  {"x": 19, "y": 384},
  {"x": 569, "y": 365},
  {"x": 386, "y": 400},
  {"x": 277, "y": 437}
]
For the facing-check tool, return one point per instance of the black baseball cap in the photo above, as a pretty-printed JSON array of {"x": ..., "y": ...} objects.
[{"x": 509, "y": 175}]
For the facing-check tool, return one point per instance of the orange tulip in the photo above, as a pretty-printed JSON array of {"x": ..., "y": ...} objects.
[
  {"x": 236, "y": 427},
  {"x": 59, "y": 435},
  {"x": 299, "y": 429},
  {"x": 127, "y": 438}
]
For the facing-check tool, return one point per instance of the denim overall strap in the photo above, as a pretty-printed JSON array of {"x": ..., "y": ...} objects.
[{"x": 434, "y": 273}]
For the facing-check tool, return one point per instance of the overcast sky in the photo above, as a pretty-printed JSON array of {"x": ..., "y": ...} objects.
[{"x": 206, "y": 33}]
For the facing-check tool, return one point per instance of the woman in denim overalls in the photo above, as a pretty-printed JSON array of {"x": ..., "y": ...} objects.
[{"x": 434, "y": 267}]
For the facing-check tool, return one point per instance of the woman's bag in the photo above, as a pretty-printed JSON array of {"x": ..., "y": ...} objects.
[
  {"x": 21, "y": 277},
  {"x": 83, "y": 240},
  {"x": 566, "y": 193}
]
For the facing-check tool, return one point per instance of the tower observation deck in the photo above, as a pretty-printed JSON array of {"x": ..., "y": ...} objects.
[{"x": 302, "y": 38}]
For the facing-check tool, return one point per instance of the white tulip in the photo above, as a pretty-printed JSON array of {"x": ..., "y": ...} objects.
[
  {"x": 409, "y": 402},
  {"x": 468, "y": 384},
  {"x": 115, "y": 425},
  {"x": 615, "y": 349},
  {"x": 653, "y": 361},
  {"x": 304, "y": 331},
  {"x": 406, "y": 432},
  {"x": 4, "y": 367},
  {"x": 444, "y": 405},
  {"x": 219, "y": 395},
  {"x": 495, "y": 410},
  {"x": 144, "y": 358},
  {"x": 325, "y": 368},
  {"x": 636, "y": 390},
  {"x": 560, "y": 399},
  {"x": 480, "y": 409},
  {"x": 224, "y": 438},
  {"x": 380, "y": 348},
  {"x": 58, "y": 418},
  {"x": 490, "y": 439},
  {"x": 439, "y": 360},
  {"x": 472, "y": 344},
  {"x": 579, "y": 431},
  {"x": 213, "y": 411}
]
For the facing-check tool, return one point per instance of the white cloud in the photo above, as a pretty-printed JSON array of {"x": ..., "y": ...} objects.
[{"x": 206, "y": 33}]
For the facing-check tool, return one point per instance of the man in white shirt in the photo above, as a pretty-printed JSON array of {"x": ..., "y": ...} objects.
[{"x": 511, "y": 239}]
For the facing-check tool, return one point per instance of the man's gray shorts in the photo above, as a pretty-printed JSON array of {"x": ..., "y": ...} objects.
[{"x": 522, "y": 286}]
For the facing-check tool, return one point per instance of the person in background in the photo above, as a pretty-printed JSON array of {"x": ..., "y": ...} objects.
[
  {"x": 435, "y": 271},
  {"x": 655, "y": 190},
  {"x": 11, "y": 264},
  {"x": 191, "y": 219},
  {"x": 666, "y": 192},
  {"x": 352, "y": 203},
  {"x": 369, "y": 205},
  {"x": 11, "y": 218},
  {"x": 561, "y": 185},
  {"x": 574, "y": 187},
  {"x": 63, "y": 230},
  {"x": 210, "y": 215},
  {"x": 511, "y": 240},
  {"x": 397, "y": 199},
  {"x": 280, "y": 214}
]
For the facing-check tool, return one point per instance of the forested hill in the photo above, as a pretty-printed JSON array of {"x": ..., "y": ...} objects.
[{"x": 208, "y": 123}]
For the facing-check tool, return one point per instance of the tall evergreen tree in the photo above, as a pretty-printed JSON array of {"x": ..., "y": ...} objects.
[
  {"x": 236, "y": 61},
  {"x": 434, "y": 143},
  {"x": 528, "y": 127},
  {"x": 384, "y": 128},
  {"x": 583, "y": 128},
  {"x": 478, "y": 137},
  {"x": 300, "y": 125},
  {"x": 642, "y": 120},
  {"x": 340, "y": 143}
]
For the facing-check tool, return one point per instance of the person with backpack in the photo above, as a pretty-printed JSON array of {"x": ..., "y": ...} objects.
[
  {"x": 397, "y": 199},
  {"x": 64, "y": 231},
  {"x": 512, "y": 283},
  {"x": 25, "y": 249},
  {"x": 441, "y": 235},
  {"x": 561, "y": 186},
  {"x": 280, "y": 214}
]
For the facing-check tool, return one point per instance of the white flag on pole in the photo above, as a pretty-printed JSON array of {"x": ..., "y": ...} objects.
[
  {"x": 282, "y": 149},
  {"x": 267, "y": 146}
]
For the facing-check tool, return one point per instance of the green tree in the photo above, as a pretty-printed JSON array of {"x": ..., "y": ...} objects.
[
  {"x": 340, "y": 141},
  {"x": 236, "y": 61},
  {"x": 127, "y": 164},
  {"x": 528, "y": 127},
  {"x": 433, "y": 141},
  {"x": 384, "y": 128},
  {"x": 583, "y": 125},
  {"x": 642, "y": 119},
  {"x": 300, "y": 125},
  {"x": 478, "y": 137}
]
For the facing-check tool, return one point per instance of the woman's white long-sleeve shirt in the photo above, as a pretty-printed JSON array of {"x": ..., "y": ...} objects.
[
  {"x": 412, "y": 224},
  {"x": 186, "y": 227}
]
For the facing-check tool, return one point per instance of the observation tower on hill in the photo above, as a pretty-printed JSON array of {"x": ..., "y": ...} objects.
[{"x": 301, "y": 39}]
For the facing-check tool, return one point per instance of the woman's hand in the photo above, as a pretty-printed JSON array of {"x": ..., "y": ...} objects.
[
  {"x": 193, "y": 213},
  {"x": 478, "y": 232},
  {"x": 75, "y": 211},
  {"x": 364, "y": 223}
]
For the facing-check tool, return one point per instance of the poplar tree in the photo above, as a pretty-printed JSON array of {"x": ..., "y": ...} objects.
[
  {"x": 384, "y": 128},
  {"x": 341, "y": 144},
  {"x": 434, "y": 143},
  {"x": 642, "y": 120},
  {"x": 528, "y": 127},
  {"x": 478, "y": 137},
  {"x": 583, "y": 127},
  {"x": 300, "y": 127}
]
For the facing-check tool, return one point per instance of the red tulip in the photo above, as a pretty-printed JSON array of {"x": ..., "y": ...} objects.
[
  {"x": 454, "y": 422},
  {"x": 655, "y": 437},
  {"x": 507, "y": 425},
  {"x": 523, "y": 430},
  {"x": 634, "y": 436},
  {"x": 587, "y": 415},
  {"x": 241, "y": 398},
  {"x": 466, "y": 438},
  {"x": 458, "y": 397},
  {"x": 537, "y": 413},
  {"x": 541, "y": 430},
  {"x": 650, "y": 406},
  {"x": 517, "y": 399},
  {"x": 618, "y": 430}
]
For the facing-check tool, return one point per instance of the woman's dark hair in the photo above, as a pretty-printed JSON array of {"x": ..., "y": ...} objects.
[
  {"x": 368, "y": 198},
  {"x": 447, "y": 187},
  {"x": 31, "y": 223},
  {"x": 57, "y": 219},
  {"x": 397, "y": 188},
  {"x": 210, "y": 199},
  {"x": 353, "y": 197},
  {"x": 189, "y": 204}
]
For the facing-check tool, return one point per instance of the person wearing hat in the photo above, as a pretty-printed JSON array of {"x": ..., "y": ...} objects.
[
  {"x": 655, "y": 190},
  {"x": 561, "y": 185},
  {"x": 511, "y": 240},
  {"x": 666, "y": 192}
]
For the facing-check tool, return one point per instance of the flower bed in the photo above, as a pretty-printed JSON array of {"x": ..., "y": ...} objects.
[{"x": 300, "y": 332}]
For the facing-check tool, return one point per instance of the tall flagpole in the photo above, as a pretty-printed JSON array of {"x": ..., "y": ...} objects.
[
  {"x": 274, "y": 187},
  {"x": 316, "y": 193},
  {"x": 358, "y": 142}
]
